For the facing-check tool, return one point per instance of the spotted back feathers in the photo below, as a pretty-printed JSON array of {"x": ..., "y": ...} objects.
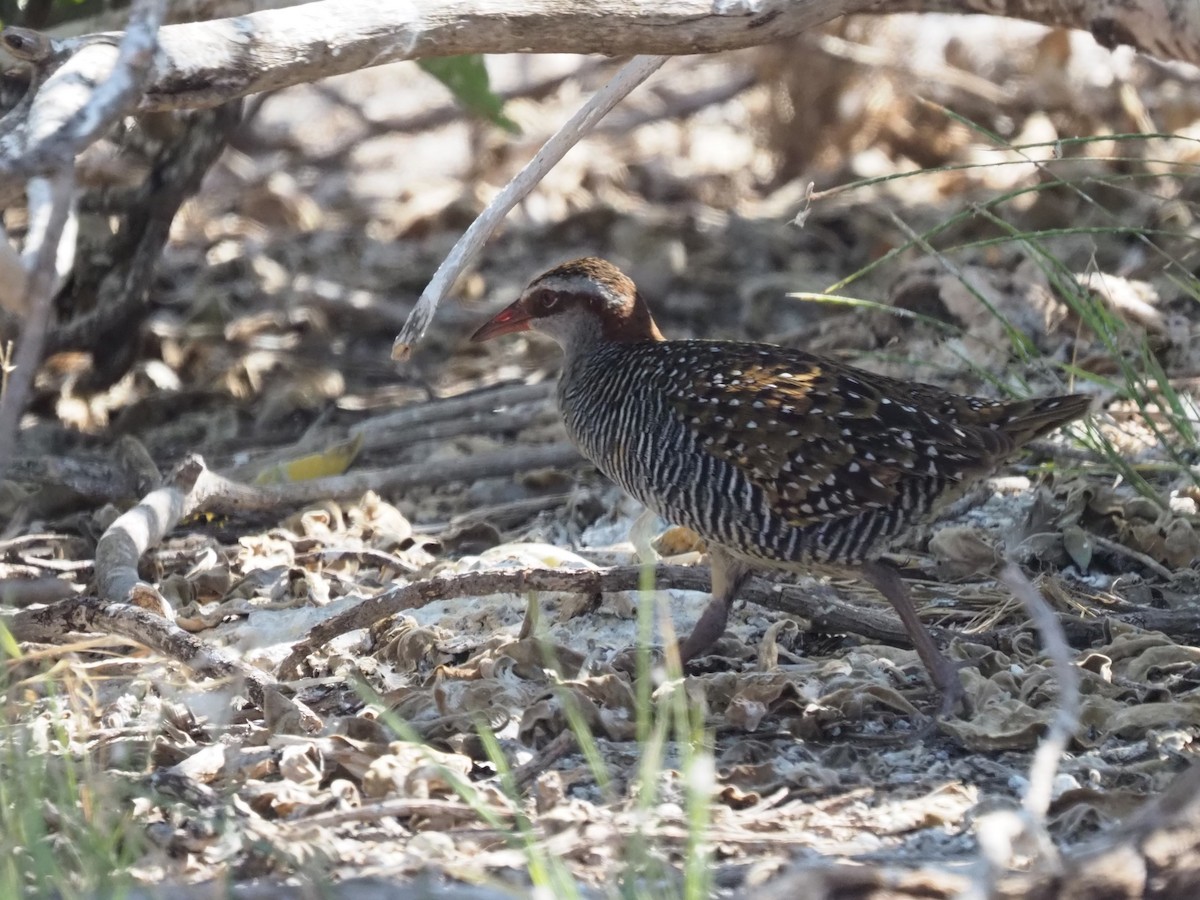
[{"x": 824, "y": 440}]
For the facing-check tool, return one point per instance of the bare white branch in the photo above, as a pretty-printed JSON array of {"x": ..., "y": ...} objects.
[
  {"x": 42, "y": 275},
  {"x": 207, "y": 63}
]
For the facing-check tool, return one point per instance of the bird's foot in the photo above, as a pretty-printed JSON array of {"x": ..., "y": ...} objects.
[
  {"x": 632, "y": 661},
  {"x": 946, "y": 679},
  {"x": 707, "y": 630}
]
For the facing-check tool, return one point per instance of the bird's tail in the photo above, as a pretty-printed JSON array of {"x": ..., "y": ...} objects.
[{"x": 1024, "y": 420}]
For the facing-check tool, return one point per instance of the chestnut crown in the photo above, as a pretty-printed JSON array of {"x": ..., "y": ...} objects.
[{"x": 579, "y": 302}]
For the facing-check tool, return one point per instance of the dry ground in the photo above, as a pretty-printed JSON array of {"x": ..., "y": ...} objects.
[{"x": 273, "y": 314}]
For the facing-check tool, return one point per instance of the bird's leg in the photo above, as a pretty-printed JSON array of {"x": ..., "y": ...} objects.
[
  {"x": 728, "y": 575},
  {"x": 944, "y": 673}
]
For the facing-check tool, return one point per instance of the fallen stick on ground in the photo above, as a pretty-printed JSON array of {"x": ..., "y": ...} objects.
[
  {"x": 826, "y": 613},
  {"x": 90, "y": 614}
]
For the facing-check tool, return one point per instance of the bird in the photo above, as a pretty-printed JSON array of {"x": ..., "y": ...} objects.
[{"x": 777, "y": 458}]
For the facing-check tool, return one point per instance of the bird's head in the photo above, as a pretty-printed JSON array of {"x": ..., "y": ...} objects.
[{"x": 580, "y": 302}]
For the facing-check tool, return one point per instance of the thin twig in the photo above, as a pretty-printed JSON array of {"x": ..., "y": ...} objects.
[
  {"x": 42, "y": 246},
  {"x": 90, "y": 614},
  {"x": 486, "y": 400},
  {"x": 631, "y": 75},
  {"x": 223, "y": 495},
  {"x": 1066, "y": 717},
  {"x": 6, "y": 364},
  {"x": 1121, "y": 550},
  {"x": 506, "y": 422},
  {"x": 528, "y": 772},
  {"x": 1003, "y": 831},
  {"x": 680, "y": 104},
  {"x": 402, "y": 808}
]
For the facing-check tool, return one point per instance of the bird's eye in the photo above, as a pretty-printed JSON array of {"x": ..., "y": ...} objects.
[{"x": 550, "y": 301}]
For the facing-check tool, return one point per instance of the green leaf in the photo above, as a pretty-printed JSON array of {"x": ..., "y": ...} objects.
[{"x": 467, "y": 79}]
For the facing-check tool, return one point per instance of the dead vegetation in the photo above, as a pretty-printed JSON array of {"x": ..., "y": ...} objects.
[{"x": 350, "y": 660}]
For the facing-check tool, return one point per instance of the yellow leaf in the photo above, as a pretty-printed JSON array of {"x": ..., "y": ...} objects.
[{"x": 333, "y": 461}]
